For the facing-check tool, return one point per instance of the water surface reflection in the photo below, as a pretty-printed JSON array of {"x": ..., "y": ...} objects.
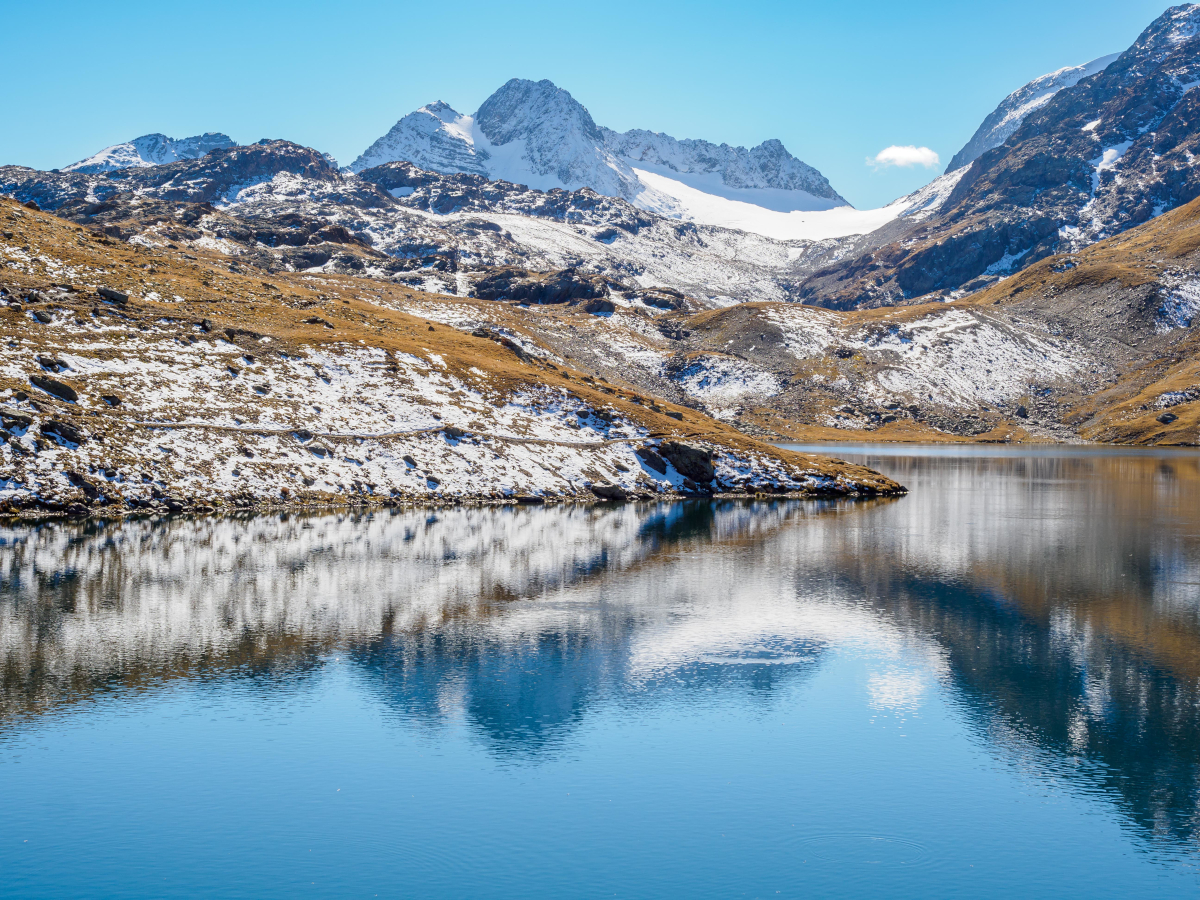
[{"x": 1053, "y": 601}]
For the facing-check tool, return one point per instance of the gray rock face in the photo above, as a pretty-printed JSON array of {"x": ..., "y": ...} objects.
[
  {"x": 689, "y": 461},
  {"x": 521, "y": 108},
  {"x": 559, "y": 136},
  {"x": 1006, "y": 118}
]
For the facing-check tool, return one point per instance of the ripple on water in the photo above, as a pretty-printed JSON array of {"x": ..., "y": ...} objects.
[{"x": 865, "y": 849}]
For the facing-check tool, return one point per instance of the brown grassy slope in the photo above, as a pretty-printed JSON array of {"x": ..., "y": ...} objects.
[{"x": 296, "y": 310}]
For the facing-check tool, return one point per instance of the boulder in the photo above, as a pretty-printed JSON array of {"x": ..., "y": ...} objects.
[
  {"x": 689, "y": 460},
  {"x": 54, "y": 387},
  {"x": 1167, "y": 418},
  {"x": 609, "y": 492},
  {"x": 62, "y": 431},
  {"x": 79, "y": 480},
  {"x": 107, "y": 293},
  {"x": 14, "y": 421},
  {"x": 663, "y": 298},
  {"x": 651, "y": 459},
  {"x": 523, "y": 286}
]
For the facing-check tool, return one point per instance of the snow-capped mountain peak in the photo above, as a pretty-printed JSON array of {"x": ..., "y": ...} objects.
[
  {"x": 535, "y": 133},
  {"x": 520, "y": 108},
  {"x": 151, "y": 150}
]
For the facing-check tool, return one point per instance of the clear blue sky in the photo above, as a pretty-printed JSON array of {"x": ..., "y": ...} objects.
[{"x": 836, "y": 82}]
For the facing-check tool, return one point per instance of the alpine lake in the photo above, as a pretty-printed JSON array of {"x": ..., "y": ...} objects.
[{"x": 989, "y": 687}]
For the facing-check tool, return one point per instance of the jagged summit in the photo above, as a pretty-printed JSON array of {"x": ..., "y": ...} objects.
[
  {"x": 527, "y": 132},
  {"x": 151, "y": 150},
  {"x": 536, "y": 133}
]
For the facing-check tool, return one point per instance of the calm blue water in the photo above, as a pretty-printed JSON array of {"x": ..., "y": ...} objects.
[{"x": 988, "y": 688}]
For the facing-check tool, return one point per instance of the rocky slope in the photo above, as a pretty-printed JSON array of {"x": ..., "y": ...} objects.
[
  {"x": 1095, "y": 345},
  {"x": 960, "y": 370},
  {"x": 136, "y": 378}
]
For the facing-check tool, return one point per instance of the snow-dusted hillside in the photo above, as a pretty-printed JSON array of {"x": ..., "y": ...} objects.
[
  {"x": 188, "y": 383},
  {"x": 1006, "y": 118},
  {"x": 151, "y": 150}
]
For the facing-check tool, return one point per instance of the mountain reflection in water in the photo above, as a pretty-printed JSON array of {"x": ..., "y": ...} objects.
[{"x": 1057, "y": 598}]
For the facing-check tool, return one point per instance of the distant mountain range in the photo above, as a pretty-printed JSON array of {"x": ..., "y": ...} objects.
[{"x": 1065, "y": 160}]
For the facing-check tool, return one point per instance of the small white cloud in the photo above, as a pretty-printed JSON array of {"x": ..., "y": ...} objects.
[{"x": 906, "y": 157}]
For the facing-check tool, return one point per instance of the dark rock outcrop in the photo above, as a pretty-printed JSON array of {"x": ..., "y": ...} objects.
[
  {"x": 689, "y": 460},
  {"x": 534, "y": 288}
]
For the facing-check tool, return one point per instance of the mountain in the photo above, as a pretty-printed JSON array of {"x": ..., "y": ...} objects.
[
  {"x": 1111, "y": 152},
  {"x": 151, "y": 150},
  {"x": 537, "y": 134},
  {"x": 1008, "y": 116},
  {"x": 435, "y": 137},
  {"x": 527, "y": 132}
]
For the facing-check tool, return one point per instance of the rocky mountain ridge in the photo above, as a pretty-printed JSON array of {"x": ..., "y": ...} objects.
[
  {"x": 150, "y": 150},
  {"x": 538, "y": 134},
  {"x": 263, "y": 204}
]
